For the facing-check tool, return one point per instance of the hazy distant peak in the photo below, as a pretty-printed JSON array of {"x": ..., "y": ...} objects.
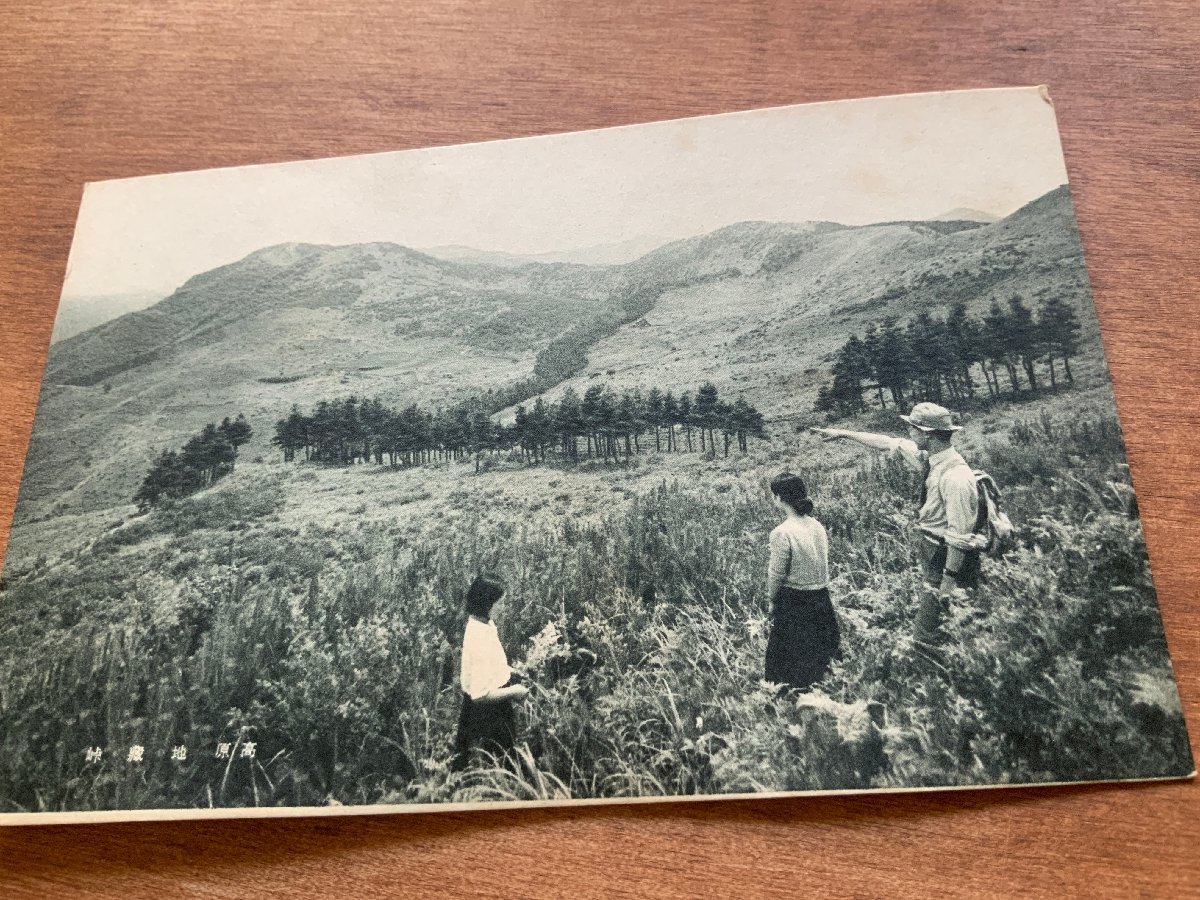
[
  {"x": 752, "y": 231},
  {"x": 77, "y": 314},
  {"x": 762, "y": 227},
  {"x": 966, "y": 214},
  {"x": 459, "y": 253},
  {"x": 614, "y": 253}
]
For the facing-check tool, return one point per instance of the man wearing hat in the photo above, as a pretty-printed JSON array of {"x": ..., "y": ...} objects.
[{"x": 947, "y": 510}]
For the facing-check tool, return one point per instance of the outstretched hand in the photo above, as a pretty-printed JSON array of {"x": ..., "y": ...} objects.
[{"x": 829, "y": 434}]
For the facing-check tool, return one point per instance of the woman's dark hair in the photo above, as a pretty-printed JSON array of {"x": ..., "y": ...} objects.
[
  {"x": 482, "y": 595},
  {"x": 791, "y": 490}
]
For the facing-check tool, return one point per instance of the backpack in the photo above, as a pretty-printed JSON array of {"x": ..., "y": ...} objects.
[{"x": 993, "y": 528}]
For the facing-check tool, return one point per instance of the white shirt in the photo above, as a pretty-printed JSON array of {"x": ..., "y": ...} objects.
[
  {"x": 484, "y": 664},
  {"x": 951, "y": 496},
  {"x": 799, "y": 555}
]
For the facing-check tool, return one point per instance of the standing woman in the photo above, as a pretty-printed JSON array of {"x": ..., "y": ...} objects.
[
  {"x": 804, "y": 630},
  {"x": 488, "y": 717}
]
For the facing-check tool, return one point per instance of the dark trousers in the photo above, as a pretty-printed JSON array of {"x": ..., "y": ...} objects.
[
  {"x": 935, "y": 564},
  {"x": 934, "y": 607}
]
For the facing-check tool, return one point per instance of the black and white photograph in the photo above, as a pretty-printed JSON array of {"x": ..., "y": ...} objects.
[{"x": 759, "y": 453}]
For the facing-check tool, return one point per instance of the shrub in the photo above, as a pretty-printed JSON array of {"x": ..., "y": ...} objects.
[{"x": 642, "y": 631}]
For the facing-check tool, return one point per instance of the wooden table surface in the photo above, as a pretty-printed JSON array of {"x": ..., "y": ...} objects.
[{"x": 98, "y": 90}]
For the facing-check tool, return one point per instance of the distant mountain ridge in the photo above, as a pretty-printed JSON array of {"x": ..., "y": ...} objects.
[
  {"x": 77, "y": 314},
  {"x": 610, "y": 254},
  {"x": 966, "y": 214},
  {"x": 756, "y": 307},
  {"x": 529, "y": 302}
]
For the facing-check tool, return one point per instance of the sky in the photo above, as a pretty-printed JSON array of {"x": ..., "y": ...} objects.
[{"x": 913, "y": 156}]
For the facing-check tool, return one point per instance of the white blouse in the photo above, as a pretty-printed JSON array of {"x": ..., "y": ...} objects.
[
  {"x": 799, "y": 555},
  {"x": 484, "y": 665}
]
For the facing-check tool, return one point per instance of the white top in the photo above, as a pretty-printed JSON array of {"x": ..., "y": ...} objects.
[
  {"x": 951, "y": 495},
  {"x": 484, "y": 665},
  {"x": 799, "y": 555}
]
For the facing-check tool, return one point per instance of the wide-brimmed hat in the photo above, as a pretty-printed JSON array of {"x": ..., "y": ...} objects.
[{"x": 930, "y": 417}]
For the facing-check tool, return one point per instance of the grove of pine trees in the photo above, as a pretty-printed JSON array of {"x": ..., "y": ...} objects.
[
  {"x": 203, "y": 460},
  {"x": 601, "y": 424},
  {"x": 937, "y": 359}
]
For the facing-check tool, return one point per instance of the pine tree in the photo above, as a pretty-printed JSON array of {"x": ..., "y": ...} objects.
[
  {"x": 892, "y": 364},
  {"x": 704, "y": 412},
  {"x": 751, "y": 421},
  {"x": 998, "y": 338},
  {"x": 373, "y": 418},
  {"x": 1060, "y": 328},
  {"x": 670, "y": 418},
  {"x": 684, "y": 416},
  {"x": 590, "y": 415},
  {"x": 521, "y": 430},
  {"x": 723, "y": 416},
  {"x": 963, "y": 338},
  {"x": 872, "y": 362},
  {"x": 851, "y": 366},
  {"x": 1026, "y": 340},
  {"x": 237, "y": 432},
  {"x": 459, "y": 436},
  {"x": 942, "y": 361},
  {"x": 206, "y": 457},
  {"x": 654, "y": 414},
  {"x": 606, "y": 414},
  {"x": 568, "y": 421},
  {"x": 162, "y": 481},
  {"x": 348, "y": 429},
  {"x": 483, "y": 435},
  {"x": 841, "y": 397},
  {"x": 290, "y": 434},
  {"x": 924, "y": 378},
  {"x": 540, "y": 427},
  {"x": 402, "y": 435},
  {"x": 638, "y": 418}
]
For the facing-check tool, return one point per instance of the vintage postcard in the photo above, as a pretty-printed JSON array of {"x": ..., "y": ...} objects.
[{"x": 749, "y": 454}]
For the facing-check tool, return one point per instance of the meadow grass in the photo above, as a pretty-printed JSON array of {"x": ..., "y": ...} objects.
[{"x": 331, "y": 650}]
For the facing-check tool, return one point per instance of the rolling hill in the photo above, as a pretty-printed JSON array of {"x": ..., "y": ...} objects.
[{"x": 756, "y": 307}]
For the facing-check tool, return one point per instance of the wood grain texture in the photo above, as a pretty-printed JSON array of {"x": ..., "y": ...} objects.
[{"x": 98, "y": 90}]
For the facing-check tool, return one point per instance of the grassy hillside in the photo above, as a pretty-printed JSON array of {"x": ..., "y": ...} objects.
[
  {"x": 768, "y": 328},
  {"x": 316, "y": 613},
  {"x": 756, "y": 307}
]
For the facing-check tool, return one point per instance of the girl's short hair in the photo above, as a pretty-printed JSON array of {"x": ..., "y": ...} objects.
[
  {"x": 482, "y": 595},
  {"x": 791, "y": 490}
]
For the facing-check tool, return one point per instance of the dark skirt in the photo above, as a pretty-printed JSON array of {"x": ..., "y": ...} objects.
[
  {"x": 490, "y": 725},
  {"x": 804, "y": 638}
]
